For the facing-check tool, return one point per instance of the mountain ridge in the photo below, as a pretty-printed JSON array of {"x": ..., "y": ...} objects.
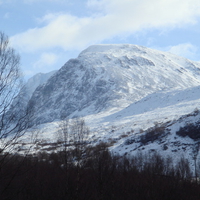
[{"x": 107, "y": 76}]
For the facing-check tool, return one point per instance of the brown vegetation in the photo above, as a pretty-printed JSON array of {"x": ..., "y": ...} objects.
[{"x": 99, "y": 176}]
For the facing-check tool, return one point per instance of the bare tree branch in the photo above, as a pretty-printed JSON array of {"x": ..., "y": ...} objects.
[{"x": 12, "y": 124}]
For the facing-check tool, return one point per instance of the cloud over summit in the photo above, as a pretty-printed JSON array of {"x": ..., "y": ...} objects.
[{"x": 112, "y": 18}]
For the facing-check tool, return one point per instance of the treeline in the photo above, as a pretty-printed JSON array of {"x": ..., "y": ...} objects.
[{"x": 95, "y": 175}]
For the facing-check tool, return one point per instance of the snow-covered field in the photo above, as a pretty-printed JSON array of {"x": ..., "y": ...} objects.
[{"x": 174, "y": 110}]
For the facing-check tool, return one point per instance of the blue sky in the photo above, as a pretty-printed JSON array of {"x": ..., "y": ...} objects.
[{"x": 47, "y": 33}]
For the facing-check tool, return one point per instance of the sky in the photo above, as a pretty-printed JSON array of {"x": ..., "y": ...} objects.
[{"x": 47, "y": 33}]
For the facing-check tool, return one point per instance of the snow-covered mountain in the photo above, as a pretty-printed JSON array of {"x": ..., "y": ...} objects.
[
  {"x": 132, "y": 97},
  {"x": 111, "y": 77}
]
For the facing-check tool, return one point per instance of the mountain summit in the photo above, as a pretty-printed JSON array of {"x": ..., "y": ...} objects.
[{"x": 105, "y": 77}]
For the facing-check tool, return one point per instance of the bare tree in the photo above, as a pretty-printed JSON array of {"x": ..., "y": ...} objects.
[
  {"x": 14, "y": 119},
  {"x": 72, "y": 138},
  {"x": 195, "y": 152},
  {"x": 64, "y": 140},
  {"x": 80, "y": 133},
  {"x": 73, "y": 133},
  {"x": 12, "y": 124},
  {"x": 183, "y": 169}
]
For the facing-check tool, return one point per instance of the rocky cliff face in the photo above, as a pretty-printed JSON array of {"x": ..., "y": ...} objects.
[{"x": 106, "y": 77}]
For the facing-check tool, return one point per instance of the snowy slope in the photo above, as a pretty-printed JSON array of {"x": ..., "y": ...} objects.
[{"x": 111, "y": 77}]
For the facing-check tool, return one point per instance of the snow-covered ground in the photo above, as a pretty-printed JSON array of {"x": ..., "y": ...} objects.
[{"x": 174, "y": 110}]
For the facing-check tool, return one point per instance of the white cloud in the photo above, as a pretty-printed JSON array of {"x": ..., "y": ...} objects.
[
  {"x": 45, "y": 62},
  {"x": 113, "y": 18},
  {"x": 186, "y": 50},
  {"x": 96, "y": 5},
  {"x": 61, "y": 31}
]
